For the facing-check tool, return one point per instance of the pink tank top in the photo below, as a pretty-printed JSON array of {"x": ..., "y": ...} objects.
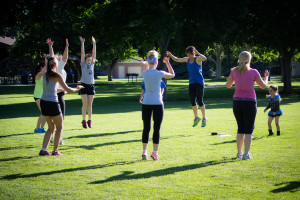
[{"x": 244, "y": 83}]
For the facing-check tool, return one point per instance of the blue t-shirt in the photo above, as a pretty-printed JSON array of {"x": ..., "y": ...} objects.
[
  {"x": 162, "y": 85},
  {"x": 195, "y": 72}
]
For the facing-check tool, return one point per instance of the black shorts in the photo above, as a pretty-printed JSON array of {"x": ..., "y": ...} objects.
[
  {"x": 88, "y": 89},
  {"x": 245, "y": 114},
  {"x": 36, "y": 98},
  {"x": 50, "y": 108}
]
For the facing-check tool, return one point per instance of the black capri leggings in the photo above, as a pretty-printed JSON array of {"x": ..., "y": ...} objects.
[
  {"x": 61, "y": 102},
  {"x": 158, "y": 114},
  {"x": 245, "y": 114},
  {"x": 196, "y": 92}
]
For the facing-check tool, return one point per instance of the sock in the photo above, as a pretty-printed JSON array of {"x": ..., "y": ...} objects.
[
  {"x": 156, "y": 152},
  {"x": 44, "y": 149},
  {"x": 144, "y": 152},
  {"x": 278, "y": 132}
]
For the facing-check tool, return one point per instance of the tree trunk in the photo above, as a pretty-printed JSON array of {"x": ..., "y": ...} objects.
[
  {"x": 110, "y": 68},
  {"x": 163, "y": 47},
  {"x": 219, "y": 56},
  {"x": 287, "y": 71}
]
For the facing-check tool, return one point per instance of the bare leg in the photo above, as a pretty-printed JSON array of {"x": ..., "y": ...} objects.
[
  {"x": 270, "y": 119},
  {"x": 247, "y": 142},
  {"x": 277, "y": 123},
  {"x": 155, "y": 147},
  {"x": 90, "y": 99},
  {"x": 145, "y": 145},
  {"x": 41, "y": 120},
  {"x": 202, "y": 108},
  {"x": 49, "y": 132},
  {"x": 240, "y": 141},
  {"x": 195, "y": 110},
  {"x": 58, "y": 121},
  {"x": 84, "y": 105}
]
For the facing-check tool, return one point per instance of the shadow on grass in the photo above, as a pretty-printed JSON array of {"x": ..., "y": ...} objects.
[
  {"x": 16, "y": 176},
  {"x": 4, "y": 136},
  {"x": 102, "y": 134},
  {"x": 234, "y": 141},
  {"x": 128, "y": 175},
  {"x": 19, "y": 147},
  {"x": 16, "y": 158},
  {"x": 92, "y": 147},
  {"x": 292, "y": 186}
]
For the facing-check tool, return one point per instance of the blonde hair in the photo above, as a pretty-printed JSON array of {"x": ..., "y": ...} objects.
[
  {"x": 243, "y": 62},
  {"x": 151, "y": 54}
]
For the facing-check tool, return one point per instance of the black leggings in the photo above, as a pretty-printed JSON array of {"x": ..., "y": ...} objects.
[
  {"x": 245, "y": 114},
  {"x": 158, "y": 114},
  {"x": 61, "y": 102},
  {"x": 196, "y": 92}
]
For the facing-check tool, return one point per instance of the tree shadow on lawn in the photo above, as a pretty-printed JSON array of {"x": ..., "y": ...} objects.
[
  {"x": 292, "y": 186},
  {"x": 19, "y": 147},
  {"x": 16, "y": 158},
  {"x": 92, "y": 147},
  {"x": 234, "y": 141},
  {"x": 16, "y": 176},
  {"x": 4, "y": 136},
  {"x": 102, "y": 134},
  {"x": 128, "y": 175}
]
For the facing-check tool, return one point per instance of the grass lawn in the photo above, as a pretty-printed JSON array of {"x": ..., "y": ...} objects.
[{"x": 105, "y": 162}]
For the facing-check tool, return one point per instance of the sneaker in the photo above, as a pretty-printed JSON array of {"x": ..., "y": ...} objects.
[
  {"x": 154, "y": 156},
  {"x": 43, "y": 130},
  {"x": 56, "y": 153},
  {"x": 37, "y": 131},
  {"x": 52, "y": 139},
  {"x": 239, "y": 155},
  {"x": 89, "y": 122},
  {"x": 83, "y": 124},
  {"x": 247, "y": 156},
  {"x": 196, "y": 121},
  {"x": 144, "y": 157},
  {"x": 204, "y": 122},
  {"x": 278, "y": 133},
  {"x": 44, "y": 153}
]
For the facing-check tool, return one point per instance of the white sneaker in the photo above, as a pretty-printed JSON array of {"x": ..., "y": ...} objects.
[
  {"x": 239, "y": 155},
  {"x": 247, "y": 156}
]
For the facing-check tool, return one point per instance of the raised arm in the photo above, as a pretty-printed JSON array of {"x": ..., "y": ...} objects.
[
  {"x": 82, "y": 48},
  {"x": 43, "y": 71},
  {"x": 185, "y": 59},
  {"x": 94, "y": 49},
  {"x": 200, "y": 58},
  {"x": 171, "y": 73},
  {"x": 66, "y": 52},
  {"x": 263, "y": 83},
  {"x": 50, "y": 44}
]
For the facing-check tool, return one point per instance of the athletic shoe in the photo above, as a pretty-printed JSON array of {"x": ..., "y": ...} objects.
[
  {"x": 204, "y": 122},
  {"x": 239, "y": 155},
  {"x": 37, "y": 131},
  {"x": 144, "y": 157},
  {"x": 154, "y": 156},
  {"x": 56, "y": 153},
  {"x": 196, "y": 121},
  {"x": 52, "y": 139},
  {"x": 89, "y": 122},
  {"x": 247, "y": 156},
  {"x": 44, "y": 153},
  {"x": 43, "y": 130},
  {"x": 83, "y": 124}
]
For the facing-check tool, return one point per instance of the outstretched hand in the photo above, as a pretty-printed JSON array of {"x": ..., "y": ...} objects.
[
  {"x": 67, "y": 43},
  {"x": 81, "y": 39},
  {"x": 93, "y": 39},
  {"x": 168, "y": 53},
  {"x": 49, "y": 42},
  {"x": 78, "y": 87},
  {"x": 166, "y": 60},
  {"x": 267, "y": 73}
]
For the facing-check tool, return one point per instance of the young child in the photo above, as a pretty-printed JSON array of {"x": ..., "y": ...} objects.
[{"x": 275, "y": 112}]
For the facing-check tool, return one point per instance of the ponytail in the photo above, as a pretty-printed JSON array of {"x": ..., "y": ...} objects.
[
  {"x": 243, "y": 62},
  {"x": 50, "y": 65}
]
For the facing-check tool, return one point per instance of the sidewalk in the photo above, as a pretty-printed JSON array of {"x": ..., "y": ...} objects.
[{"x": 207, "y": 86}]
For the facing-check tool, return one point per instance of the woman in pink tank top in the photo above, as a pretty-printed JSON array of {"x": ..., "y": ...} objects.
[{"x": 244, "y": 101}]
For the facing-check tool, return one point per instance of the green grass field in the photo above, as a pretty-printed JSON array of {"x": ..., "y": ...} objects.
[{"x": 105, "y": 162}]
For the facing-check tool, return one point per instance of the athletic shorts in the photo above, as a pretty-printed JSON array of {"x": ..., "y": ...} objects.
[
  {"x": 88, "y": 89},
  {"x": 36, "y": 98},
  {"x": 50, "y": 108}
]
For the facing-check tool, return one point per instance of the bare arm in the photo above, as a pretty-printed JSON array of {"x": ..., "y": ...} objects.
[
  {"x": 200, "y": 58},
  {"x": 43, "y": 71},
  {"x": 171, "y": 73},
  {"x": 263, "y": 83},
  {"x": 66, "y": 52},
  {"x": 67, "y": 88},
  {"x": 185, "y": 59},
  {"x": 50, "y": 44},
  {"x": 142, "y": 95},
  {"x": 82, "y": 48},
  {"x": 229, "y": 82},
  {"x": 94, "y": 50}
]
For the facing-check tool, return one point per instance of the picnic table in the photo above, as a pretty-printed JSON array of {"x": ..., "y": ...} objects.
[{"x": 132, "y": 75}]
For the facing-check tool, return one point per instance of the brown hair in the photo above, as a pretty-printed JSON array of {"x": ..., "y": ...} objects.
[
  {"x": 191, "y": 50},
  {"x": 50, "y": 65},
  {"x": 87, "y": 56}
]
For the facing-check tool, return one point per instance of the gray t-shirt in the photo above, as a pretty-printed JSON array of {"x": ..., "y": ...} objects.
[
  {"x": 49, "y": 90},
  {"x": 87, "y": 73},
  {"x": 152, "y": 78}
]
